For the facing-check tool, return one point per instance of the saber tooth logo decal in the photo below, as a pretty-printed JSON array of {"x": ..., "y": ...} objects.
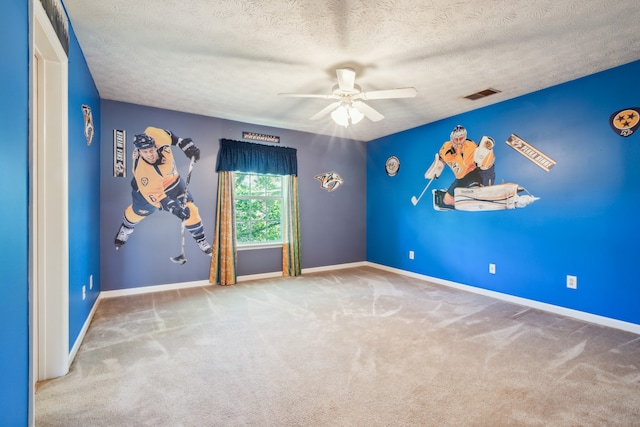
[
  {"x": 626, "y": 121},
  {"x": 329, "y": 180},
  {"x": 144, "y": 181}
]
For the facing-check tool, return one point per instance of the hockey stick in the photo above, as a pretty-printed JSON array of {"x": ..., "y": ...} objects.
[
  {"x": 181, "y": 259},
  {"x": 415, "y": 200}
]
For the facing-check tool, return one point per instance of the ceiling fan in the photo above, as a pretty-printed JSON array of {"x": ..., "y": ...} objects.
[{"x": 349, "y": 107}]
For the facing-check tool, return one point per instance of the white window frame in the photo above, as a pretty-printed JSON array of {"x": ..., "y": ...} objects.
[{"x": 263, "y": 245}]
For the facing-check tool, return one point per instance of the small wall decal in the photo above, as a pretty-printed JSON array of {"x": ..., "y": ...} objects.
[
  {"x": 119, "y": 150},
  {"x": 88, "y": 123},
  {"x": 530, "y": 152},
  {"x": 329, "y": 180},
  {"x": 260, "y": 137},
  {"x": 392, "y": 166},
  {"x": 625, "y": 122}
]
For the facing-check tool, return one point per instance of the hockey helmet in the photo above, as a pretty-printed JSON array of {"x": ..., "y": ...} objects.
[
  {"x": 143, "y": 141},
  {"x": 458, "y": 132}
]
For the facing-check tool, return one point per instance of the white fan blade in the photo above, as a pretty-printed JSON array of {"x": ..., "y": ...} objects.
[
  {"x": 326, "y": 110},
  {"x": 346, "y": 79},
  {"x": 371, "y": 114},
  {"x": 404, "y": 92},
  {"x": 308, "y": 95}
]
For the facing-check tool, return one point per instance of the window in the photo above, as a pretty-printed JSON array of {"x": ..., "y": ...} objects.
[{"x": 259, "y": 202}]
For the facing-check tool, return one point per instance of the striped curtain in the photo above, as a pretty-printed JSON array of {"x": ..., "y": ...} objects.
[
  {"x": 243, "y": 156},
  {"x": 223, "y": 258},
  {"x": 291, "y": 230}
]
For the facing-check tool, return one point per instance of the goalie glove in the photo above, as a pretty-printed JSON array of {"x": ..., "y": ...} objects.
[
  {"x": 172, "y": 205},
  {"x": 189, "y": 148},
  {"x": 435, "y": 169},
  {"x": 483, "y": 155}
]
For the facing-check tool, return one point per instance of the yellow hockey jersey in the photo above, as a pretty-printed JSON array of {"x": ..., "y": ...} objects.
[
  {"x": 460, "y": 162},
  {"x": 153, "y": 180}
]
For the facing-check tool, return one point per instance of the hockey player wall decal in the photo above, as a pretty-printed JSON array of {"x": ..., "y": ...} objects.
[
  {"x": 473, "y": 188},
  {"x": 156, "y": 184}
]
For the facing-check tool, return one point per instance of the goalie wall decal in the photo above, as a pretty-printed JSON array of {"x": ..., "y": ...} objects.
[
  {"x": 625, "y": 122},
  {"x": 473, "y": 166}
]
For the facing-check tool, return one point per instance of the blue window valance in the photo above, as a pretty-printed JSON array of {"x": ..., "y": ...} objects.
[{"x": 243, "y": 156}]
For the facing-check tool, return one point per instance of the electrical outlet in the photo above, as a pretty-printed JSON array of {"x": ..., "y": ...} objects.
[
  {"x": 572, "y": 282},
  {"x": 84, "y": 292},
  {"x": 492, "y": 268},
  {"x": 410, "y": 254},
  {"x": 91, "y": 282}
]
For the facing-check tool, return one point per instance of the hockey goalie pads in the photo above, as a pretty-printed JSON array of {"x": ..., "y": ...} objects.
[
  {"x": 435, "y": 169},
  {"x": 492, "y": 198},
  {"x": 483, "y": 156}
]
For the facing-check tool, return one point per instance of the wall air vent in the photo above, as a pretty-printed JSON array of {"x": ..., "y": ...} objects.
[{"x": 482, "y": 94}]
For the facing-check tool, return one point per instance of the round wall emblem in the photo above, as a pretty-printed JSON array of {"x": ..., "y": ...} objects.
[{"x": 392, "y": 166}]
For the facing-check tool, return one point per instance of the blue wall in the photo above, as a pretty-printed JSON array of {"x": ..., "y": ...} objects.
[
  {"x": 14, "y": 214},
  {"x": 84, "y": 192},
  {"x": 332, "y": 224},
  {"x": 84, "y": 219},
  {"x": 583, "y": 224}
]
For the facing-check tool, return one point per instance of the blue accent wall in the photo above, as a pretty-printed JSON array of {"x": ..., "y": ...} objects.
[
  {"x": 84, "y": 192},
  {"x": 333, "y": 228},
  {"x": 583, "y": 224},
  {"x": 14, "y": 214},
  {"x": 84, "y": 201}
]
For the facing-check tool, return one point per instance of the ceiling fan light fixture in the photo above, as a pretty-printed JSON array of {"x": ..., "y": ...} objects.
[
  {"x": 355, "y": 115},
  {"x": 341, "y": 116},
  {"x": 345, "y": 116}
]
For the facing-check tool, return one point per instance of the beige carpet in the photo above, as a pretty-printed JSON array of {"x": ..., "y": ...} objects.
[{"x": 354, "y": 347}]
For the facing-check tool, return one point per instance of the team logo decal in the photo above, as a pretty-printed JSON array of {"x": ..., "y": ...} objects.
[
  {"x": 625, "y": 122},
  {"x": 329, "y": 180},
  {"x": 144, "y": 181},
  {"x": 88, "y": 123},
  {"x": 392, "y": 166}
]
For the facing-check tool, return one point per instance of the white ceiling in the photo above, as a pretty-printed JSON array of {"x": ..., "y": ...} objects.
[{"x": 230, "y": 58}]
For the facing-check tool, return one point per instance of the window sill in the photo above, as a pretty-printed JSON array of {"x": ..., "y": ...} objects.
[{"x": 248, "y": 247}]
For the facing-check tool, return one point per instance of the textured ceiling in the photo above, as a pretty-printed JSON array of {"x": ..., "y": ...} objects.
[{"x": 230, "y": 58}]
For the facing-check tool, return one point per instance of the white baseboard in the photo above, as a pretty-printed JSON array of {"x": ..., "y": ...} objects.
[
  {"x": 580, "y": 315},
  {"x": 83, "y": 332},
  {"x": 173, "y": 286},
  {"x": 153, "y": 288}
]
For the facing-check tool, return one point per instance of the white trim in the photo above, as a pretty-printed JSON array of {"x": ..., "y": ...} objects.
[
  {"x": 251, "y": 246},
  {"x": 580, "y": 315},
  {"x": 334, "y": 267},
  {"x": 49, "y": 224},
  {"x": 153, "y": 288},
  {"x": 259, "y": 276},
  {"x": 195, "y": 284},
  {"x": 83, "y": 332},
  {"x": 304, "y": 270}
]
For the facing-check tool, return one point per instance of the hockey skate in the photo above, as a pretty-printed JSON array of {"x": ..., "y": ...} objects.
[
  {"x": 204, "y": 246},
  {"x": 122, "y": 236},
  {"x": 438, "y": 201}
]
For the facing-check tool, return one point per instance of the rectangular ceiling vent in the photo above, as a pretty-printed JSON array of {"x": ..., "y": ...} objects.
[{"x": 482, "y": 94}]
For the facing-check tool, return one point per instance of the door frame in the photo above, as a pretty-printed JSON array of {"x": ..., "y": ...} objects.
[{"x": 48, "y": 204}]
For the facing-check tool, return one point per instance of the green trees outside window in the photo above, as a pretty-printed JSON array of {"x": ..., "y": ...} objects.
[{"x": 259, "y": 200}]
